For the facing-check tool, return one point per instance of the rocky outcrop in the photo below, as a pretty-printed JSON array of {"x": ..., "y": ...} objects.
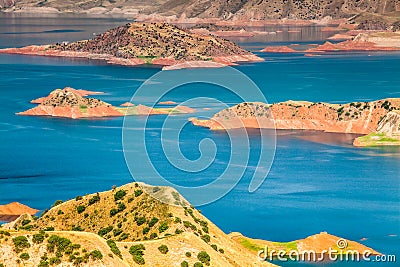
[
  {"x": 146, "y": 43},
  {"x": 356, "y": 41},
  {"x": 373, "y": 25},
  {"x": 6, "y": 3},
  {"x": 356, "y": 117}
]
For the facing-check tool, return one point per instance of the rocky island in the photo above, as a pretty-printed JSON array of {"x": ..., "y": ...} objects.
[
  {"x": 147, "y": 43},
  {"x": 71, "y": 103},
  {"x": 379, "y": 117},
  {"x": 127, "y": 227},
  {"x": 361, "y": 42}
]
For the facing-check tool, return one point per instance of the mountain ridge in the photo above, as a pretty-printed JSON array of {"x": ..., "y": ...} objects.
[{"x": 221, "y": 9}]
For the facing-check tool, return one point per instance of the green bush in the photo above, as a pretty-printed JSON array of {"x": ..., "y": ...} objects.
[
  {"x": 137, "y": 252},
  {"x": 188, "y": 254},
  {"x": 104, "y": 231},
  {"x": 94, "y": 199},
  {"x": 214, "y": 247},
  {"x": 204, "y": 257},
  {"x": 117, "y": 232},
  {"x": 96, "y": 255},
  {"x": 138, "y": 192},
  {"x": 221, "y": 251},
  {"x": 114, "y": 248},
  {"x": 78, "y": 198},
  {"x": 113, "y": 212},
  {"x": 58, "y": 202},
  {"x": 54, "y": 261},
  {"x": 163, "y": 227},
  {"x": 206, "y": 238},
  {"x": 146, "y": 230},
  {"x": 153, "y": 236},
  {"x": 80, "y": 209},
  {"x": 163, "y": 249},
  {"x": 77, "y": 228},
  {"x": 119, "y": 195},
  {"x": 198, "y": 264},
  {"x": 20, "y": 242},
  {"x": 121, "y": 207},
  {"x": 25, "y": 222},
  {"x": 50, "y": 228},
  {"x": 140, "y": 221},
  {"x": 123, "y": 237},
  {"x": 43, "y": 264},
  {"x": 153, "y": 221},
  {"x": 184, "y": 264},
  {"x": 24, "y": 256},
  {"x": 178, "y": 220},
  {"x": 38, "y": 238},
  {"x": 60, "y": 243}
]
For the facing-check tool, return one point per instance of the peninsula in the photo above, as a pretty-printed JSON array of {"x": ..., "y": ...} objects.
[
  {"x": 137, "y": 43},
  {"x": 71, "y": 103},
  {"x": 128, "y": 227},
  {"x": 379, "y": 119}
]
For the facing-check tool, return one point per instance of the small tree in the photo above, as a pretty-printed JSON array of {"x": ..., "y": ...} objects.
[
  {"x": 163, "y": 249},
  {"x": 204, "y": 257}
]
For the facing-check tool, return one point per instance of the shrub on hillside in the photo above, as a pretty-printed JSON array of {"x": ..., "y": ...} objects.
[
  {"x": 163, "y": 249},
  {"x": 137, "y": 252},
  {"x": 119, "y": 195},
  {"x": 20, "y": 242},
  {"x": 204, "y": 257},
  {"x": 114, "y": 248}
]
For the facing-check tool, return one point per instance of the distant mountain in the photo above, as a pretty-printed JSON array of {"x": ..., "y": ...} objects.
[{"x": 223, "y": 9}]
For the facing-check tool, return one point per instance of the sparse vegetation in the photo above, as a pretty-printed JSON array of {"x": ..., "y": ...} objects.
[
  {"x": 96, "y": 255},
  {"x": 24, "y": 256},
  {"x": 94, "y": 199},
  {"x": 38, "y": 238},
  {"x": 114, "y": 248},
  {"x": 163, "y": 227},
  {"x": 204, "y": 257},
  {"x": 80, "y": 209},
  {"x": 119, "y": 195},
  {"x": 163, "y": 249},
  {"x": 137, "y": 252},
  {"x": 138, "y": 192},
  {"x": 20, "y": 243}
]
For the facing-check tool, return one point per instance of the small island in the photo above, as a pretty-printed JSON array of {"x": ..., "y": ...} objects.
[
  {"x": 158, "y": 44},
  {"x": 379, "y": 120},
  {"x": 71, "y": 103}
]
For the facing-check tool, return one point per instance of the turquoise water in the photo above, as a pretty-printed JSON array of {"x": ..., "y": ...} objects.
[{"x": 318, "y": 181}]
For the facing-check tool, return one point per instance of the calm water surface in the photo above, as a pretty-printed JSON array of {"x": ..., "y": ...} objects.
[{"x": 318, "y": 181}]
